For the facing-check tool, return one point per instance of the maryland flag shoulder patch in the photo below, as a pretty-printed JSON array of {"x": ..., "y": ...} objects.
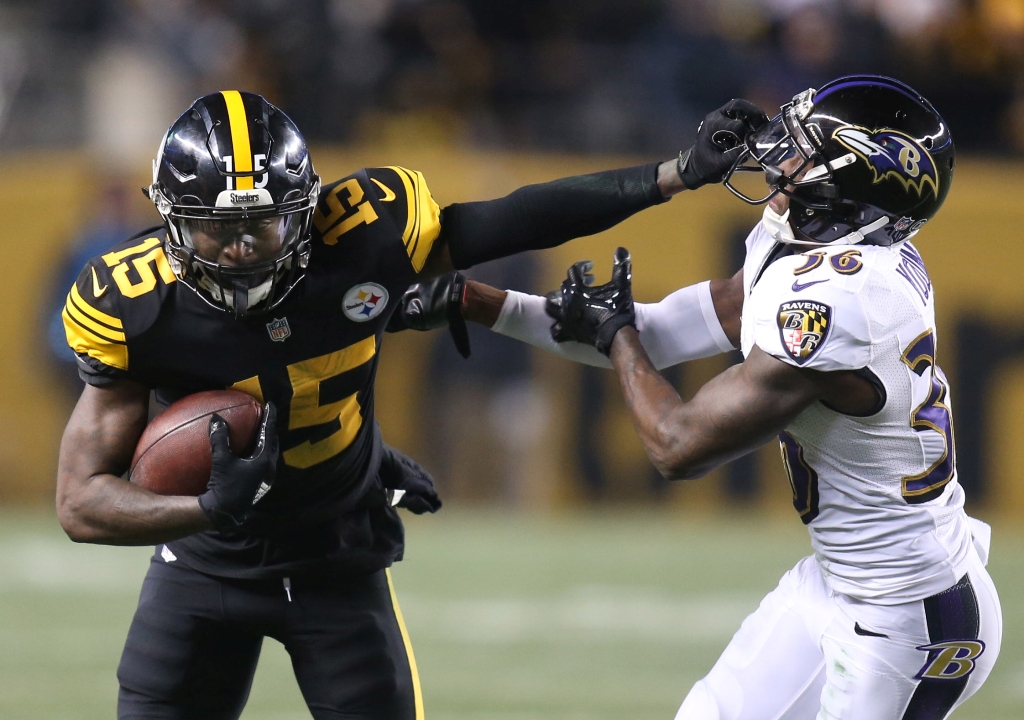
[{"x": 803, "y": 326}]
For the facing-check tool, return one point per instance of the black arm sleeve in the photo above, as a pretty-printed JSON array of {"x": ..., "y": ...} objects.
[{"x": 543, "y": 216}]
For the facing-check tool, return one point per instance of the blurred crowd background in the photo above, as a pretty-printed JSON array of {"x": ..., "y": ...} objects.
[
  {"x": 484, "y": 95},
  {"x": 567, "y": 75}
]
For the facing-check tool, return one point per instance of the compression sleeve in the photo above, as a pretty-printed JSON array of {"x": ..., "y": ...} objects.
[
  {"x": 545, "y": 215},
  {"x": 684, "y": 326}
]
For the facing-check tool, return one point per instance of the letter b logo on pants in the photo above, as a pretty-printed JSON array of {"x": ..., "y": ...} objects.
[{"x": 950, "y": 660}]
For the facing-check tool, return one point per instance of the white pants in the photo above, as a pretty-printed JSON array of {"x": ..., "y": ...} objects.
[{"x": 808, "y": 652}]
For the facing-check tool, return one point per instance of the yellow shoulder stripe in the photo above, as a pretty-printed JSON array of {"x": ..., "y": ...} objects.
[
  {"x": 92, "y": 312},
  {"x": 90, "y": 326},
  {"x": 85, "y": 342},
  {"x": 423, "y": 221}
]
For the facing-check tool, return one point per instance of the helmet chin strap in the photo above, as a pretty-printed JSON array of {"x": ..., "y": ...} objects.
[
  {"x": 779, "y": 228},
  {"x": 781, "y": 231}
]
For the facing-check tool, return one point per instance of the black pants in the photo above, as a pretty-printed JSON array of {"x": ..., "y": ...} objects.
[{"x": 192, "y": 648}]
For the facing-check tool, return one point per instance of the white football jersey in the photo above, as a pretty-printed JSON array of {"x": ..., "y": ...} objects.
[{"x": 879, "y": 494}]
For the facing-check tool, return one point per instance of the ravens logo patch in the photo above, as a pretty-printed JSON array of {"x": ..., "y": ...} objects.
[{"x": 804, "y": 326}]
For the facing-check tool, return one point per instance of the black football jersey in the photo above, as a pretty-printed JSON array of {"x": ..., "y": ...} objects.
[{"x": 315, "y": 356}]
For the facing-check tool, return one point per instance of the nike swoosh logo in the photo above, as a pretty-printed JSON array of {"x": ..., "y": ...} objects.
[
  {"x": 97, "y": 291},
  {"x": 798, "y": 286},
  {"x": 389, "y": 194},
  {"x": 867, "y": 633}
]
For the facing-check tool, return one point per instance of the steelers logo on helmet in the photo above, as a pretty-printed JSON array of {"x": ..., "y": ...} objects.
[
  {"x": 364, "y": 302},
  {"x": 892, "y": 154},
  {"x": 804, "y": 327}
]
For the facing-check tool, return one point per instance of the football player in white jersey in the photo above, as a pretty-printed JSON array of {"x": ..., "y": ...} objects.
[{"x": 893, "y": 616}]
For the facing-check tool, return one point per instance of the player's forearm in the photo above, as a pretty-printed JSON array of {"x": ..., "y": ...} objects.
[
  {"x": 653, "y": 404},
  {"x": 482, "y": 303},
  {"x": 733, "y": 414},
  {"x": 106, "y": 510},
  {"x": 548, "y": 214}
]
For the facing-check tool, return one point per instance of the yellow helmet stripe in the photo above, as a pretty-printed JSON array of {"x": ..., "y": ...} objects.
[{"x": 240, "y": 148}]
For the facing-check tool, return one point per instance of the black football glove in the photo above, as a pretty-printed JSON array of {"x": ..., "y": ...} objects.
[
  {"x": 407, "y": 483},
  {"x": 236, "y": 483},
  {"x": 720, "y": 142},
  {"x": 433, "y": 304},
  {"x": 592, "y": 314}
]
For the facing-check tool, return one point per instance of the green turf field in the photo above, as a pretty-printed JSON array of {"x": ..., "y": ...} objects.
[{"x": 582, "y": 617}]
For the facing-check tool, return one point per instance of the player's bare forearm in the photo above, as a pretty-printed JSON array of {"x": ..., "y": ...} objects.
[
  {"x": 94, "y": 504},
  {"x": 482, "y": 303},
  {"x": 107, "y": 510},
  {"x": 733, "y": 414}
]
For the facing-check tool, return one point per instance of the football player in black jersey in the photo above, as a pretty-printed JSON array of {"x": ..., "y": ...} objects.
[{"x": 263, "y": 281}]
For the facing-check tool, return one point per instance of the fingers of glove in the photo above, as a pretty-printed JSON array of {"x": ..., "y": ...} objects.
[
  {"x": 622, "y": 269},
  {"x": 726, "y": 133},
  {"x": 219, "y": 441},
  {"x": 740, "y": 109},
  {"x": 418, "y": 505},
  {"x": 267, "y": 442},
  {"x": 578, "y": 272}
]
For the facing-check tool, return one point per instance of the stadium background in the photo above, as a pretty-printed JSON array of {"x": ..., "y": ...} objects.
[{"x": 562, "y": 579}]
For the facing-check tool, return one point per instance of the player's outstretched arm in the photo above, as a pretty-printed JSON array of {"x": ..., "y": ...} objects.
[
  {"x": 685, "y": 325},
  {"x": 94, "y": 504},
  {"x": 546, "y": 215},
  {"x": 692, "y": 322}
]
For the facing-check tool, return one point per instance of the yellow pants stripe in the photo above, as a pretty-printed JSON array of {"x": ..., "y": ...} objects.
[{"x": 417, "y": 693}]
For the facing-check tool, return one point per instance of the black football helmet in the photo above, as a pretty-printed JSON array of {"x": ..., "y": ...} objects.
[
  {"x": 864, "y": 159},
  {"x": 235, "y": 186}
]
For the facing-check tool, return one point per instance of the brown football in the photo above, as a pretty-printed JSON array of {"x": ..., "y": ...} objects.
[{"x": 173, "y": 456}]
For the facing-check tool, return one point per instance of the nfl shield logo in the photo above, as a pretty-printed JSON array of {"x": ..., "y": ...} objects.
[{"x": 279, "y": 330}]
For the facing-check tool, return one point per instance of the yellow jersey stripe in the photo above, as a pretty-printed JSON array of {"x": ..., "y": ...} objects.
[
  {"x": 114, "y": 258},
  {"x": 240, "y": 147},
  {"x": 416, "y": 690},
  {"x": 84, "y": 342},
  {"x": 94, "y": 327},
  {"x": 98, "y": 315}
]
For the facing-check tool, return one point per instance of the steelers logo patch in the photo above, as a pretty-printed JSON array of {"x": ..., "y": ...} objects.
[
  {"x": 364, "y": 302},
  {"x": 804, "y": 327}
]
